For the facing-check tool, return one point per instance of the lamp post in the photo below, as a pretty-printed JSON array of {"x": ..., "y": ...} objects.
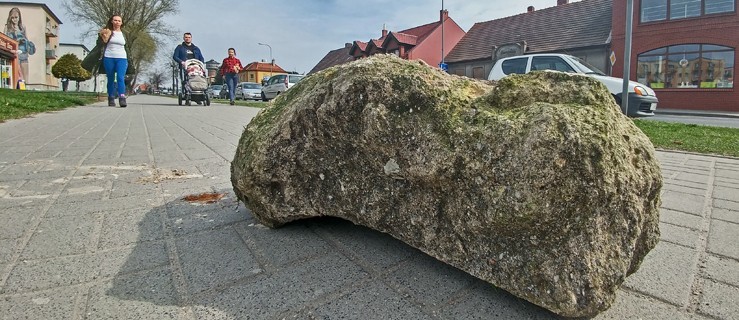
[{"x": 272, "y": 61}]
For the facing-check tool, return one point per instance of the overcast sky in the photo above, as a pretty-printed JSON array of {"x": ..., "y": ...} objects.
[{"x": 301, "y": 32}]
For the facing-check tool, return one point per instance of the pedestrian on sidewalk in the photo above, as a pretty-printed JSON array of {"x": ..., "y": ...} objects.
[
  {"x": 230, "y": 71},
  {"x": 115, "y": 60},
  {"x": 186, "y": 51}
]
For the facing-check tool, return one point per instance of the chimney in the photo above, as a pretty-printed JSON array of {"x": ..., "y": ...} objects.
[
  {"x": 384, "y": 31},
  {"x": 561, "y": 2},
  {"x": 530, "y": 9},
  {"x": 347, "y": 45},
  {"x": 443, "y": 15}
]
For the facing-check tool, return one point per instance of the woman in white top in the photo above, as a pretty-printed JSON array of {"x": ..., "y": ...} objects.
[{"x": 115, "y": 60}]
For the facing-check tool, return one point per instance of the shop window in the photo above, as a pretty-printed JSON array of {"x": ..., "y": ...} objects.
[
  {"x": 660, "y": 10},
  {"x": 687, "y": 66}
]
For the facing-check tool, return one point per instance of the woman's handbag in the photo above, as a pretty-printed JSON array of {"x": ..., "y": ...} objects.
[{"x": 93, "y": 62}]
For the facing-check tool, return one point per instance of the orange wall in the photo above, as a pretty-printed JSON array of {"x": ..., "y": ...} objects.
[{"x": 430, "y": 49}]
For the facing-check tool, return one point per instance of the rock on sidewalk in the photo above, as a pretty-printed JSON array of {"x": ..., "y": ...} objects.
[{"x": 536, "y": 184}]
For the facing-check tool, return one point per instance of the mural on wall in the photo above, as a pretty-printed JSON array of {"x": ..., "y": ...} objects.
[{"x": 14, "y": 28}]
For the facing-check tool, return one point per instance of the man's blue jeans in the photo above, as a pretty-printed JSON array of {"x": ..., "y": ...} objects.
[
  {"x": 115, "y": 69},
  {"x": 231, "y": 80}
]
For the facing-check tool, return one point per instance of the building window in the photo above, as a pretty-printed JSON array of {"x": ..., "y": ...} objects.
[
  {"x": 687, "y": 66},
  {"x": 659, "y": 10}
]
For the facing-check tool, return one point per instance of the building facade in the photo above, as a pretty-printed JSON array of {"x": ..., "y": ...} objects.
[
  {"x": 36, "y": 29},
  {"x": 685, "y": 50},
  {"x": 259, "y": 71},
  {"x": 81, "y": 52},
  {"x": 9, "y": 67}
]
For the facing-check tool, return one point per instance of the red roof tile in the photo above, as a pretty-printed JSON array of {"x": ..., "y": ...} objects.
[
  {"x": 574, "y": 25},
  {"x": 405, "y": 38},
  {"x": 333, "y": 58},
  {"x": 263, "y": 66}
]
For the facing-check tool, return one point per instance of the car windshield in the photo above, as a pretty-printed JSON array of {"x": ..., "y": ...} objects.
[
  {"x": 216, "y": 87},
  {"x": 586, "y": 67},
  {"x": 252, "y": 86}
]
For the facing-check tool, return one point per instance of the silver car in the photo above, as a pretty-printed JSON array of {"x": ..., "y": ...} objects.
[
  {"x": 248, "y": 91},
  {"x": 278, "y": 84}
]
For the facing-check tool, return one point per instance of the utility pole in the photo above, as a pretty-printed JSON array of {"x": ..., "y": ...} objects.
[
  {"x": 627, "y": 57},
  {"x": 272, "y": 61}
]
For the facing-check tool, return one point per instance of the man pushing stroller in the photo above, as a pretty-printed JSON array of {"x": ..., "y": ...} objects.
[{"x": 186, "y": 51}]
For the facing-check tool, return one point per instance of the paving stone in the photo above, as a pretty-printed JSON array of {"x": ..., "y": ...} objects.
[
  {"x": 67, "y": 207},
  {"x": 49, "y": 273},
  {"x": 680, "y": 218},
  {"x": 486, "y": 301},
  {"x": 266, "y": 296},
  {"x": 683, "y": 202},
  {"x": 726, "y": 204},
  {"x": 142, "y": 256},
  {"x": 126, "y": 227},
  {"x": 723, "y": 269},
  {"x": 214, "y": 258},
  {"x": 725, "y": 214},
  {"x": 149, "y": 295},
  {"x": 430, "y": 282},
  {"x": 15, "y": 221},
  {"x": 284, "y": 245},
  {"x": 723, "y": 238},
  {"x": 630, "y": 305},
  {"x": 56, "y": 303},
  {"x": 701, "y": 178},
  {"x": 61, "y": 236},
  {"x": 666, "y": 273},
  {"x": 213, "y": 216},
  {"x": 7, "y": 249},
  {"x": 377, "y": 249},
  {"x": 720, "y": 300},
  {"x": 679, "y": 235},
  {"x": 127, "y": 189},
  {"x": 694, "y": 190},
  {"x": 35, "y": 188},
  {"x": 726, "y": 193},
  {"x": 383, "y": 301}
]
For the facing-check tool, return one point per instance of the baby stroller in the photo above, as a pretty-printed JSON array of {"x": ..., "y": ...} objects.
[{"x": 194, "y": 83}]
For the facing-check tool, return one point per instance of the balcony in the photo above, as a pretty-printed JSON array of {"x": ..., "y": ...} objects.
[
  {"x": 50, "y": 54},
  {"x": 51, "y": 31}
]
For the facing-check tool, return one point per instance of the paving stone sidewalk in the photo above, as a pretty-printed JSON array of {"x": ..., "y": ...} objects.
[{"x": 93, "y": 226}]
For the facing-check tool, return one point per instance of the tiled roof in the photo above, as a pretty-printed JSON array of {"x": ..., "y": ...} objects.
[
  {"x": 574, "y": 25},
  {"x": 405, "y": 38},
  {"x": 264, "y": 67},
  {"x": 358, "y": 45},
  {"x": 334, "y": 57},
  {"x": 421, "y": 31}
]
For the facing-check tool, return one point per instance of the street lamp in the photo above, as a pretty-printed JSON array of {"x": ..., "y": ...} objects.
[{"x": 272, "y": 61}]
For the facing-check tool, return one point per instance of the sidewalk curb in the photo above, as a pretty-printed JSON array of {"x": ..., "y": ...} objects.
[{"x": 712, "y": 114}]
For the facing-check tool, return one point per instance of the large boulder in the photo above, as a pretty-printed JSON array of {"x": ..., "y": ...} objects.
[{"x": 536, "y": 184}]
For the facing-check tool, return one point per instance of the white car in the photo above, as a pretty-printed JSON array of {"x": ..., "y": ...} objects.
[
  {"x": 642, "y": 99},
  {"x": 278, "y": 84},
  {"x": 248, "y": 91}
]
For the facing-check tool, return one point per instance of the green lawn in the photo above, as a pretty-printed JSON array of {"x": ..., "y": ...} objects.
[
  {"x": 15, "y": 104},
  {"x": 691, "y": 137}
]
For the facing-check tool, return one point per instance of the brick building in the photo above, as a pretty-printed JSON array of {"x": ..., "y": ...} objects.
[{"x": 685, "y": 50}]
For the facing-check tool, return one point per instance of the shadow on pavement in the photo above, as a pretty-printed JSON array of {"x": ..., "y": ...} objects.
[{"x": 215, "y": 261}]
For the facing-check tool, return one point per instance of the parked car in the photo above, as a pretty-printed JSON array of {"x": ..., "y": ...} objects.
[
  {"x": 214, "y": 90},
  {"x": 642, "y": 99},
  {"x": 248, "y": 91},
  {"x": 278, "y": 84},
  {"x": 223, "y": 94}
]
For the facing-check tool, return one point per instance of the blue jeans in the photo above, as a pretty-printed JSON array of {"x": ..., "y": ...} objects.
[
  {"x": 115, "y": 69},
  {"x": 231, "y": 80}
]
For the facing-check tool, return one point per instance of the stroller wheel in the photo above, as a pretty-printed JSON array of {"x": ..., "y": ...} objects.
[
  {"x": 179, "y": 99},
  {"x": 187, "y": 101},
  {"x": 207, "y": 101}
]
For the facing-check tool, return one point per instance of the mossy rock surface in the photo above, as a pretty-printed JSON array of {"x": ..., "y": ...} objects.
[{"x": 536, "y": 183}]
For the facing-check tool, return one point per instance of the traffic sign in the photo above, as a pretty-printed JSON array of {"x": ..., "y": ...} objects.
[{"x": 613, "y": 58}]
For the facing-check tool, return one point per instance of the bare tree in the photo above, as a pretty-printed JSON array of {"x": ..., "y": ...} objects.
[
  {"x": 143, "y": 24},
  {"x": 157, "y": 78}
]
